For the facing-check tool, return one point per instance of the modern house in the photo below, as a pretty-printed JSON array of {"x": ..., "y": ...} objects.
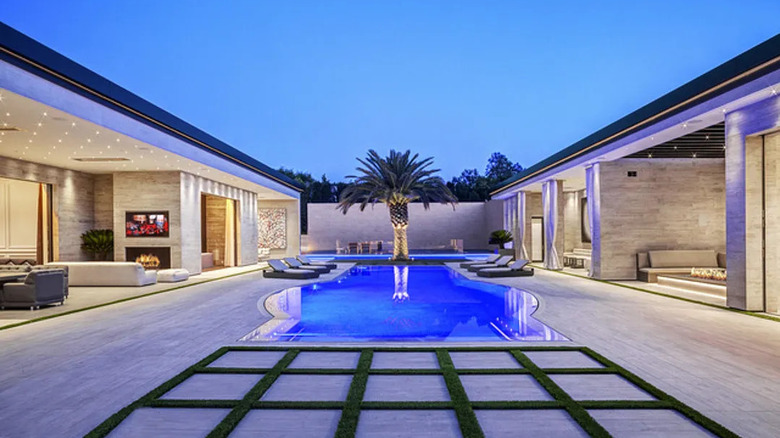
[
  {"x": 78, "y": 152},
  {"x": 696, "y": 169}
]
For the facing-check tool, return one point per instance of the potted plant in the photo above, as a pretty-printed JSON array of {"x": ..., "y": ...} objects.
[
  {"x": 99, "y": 243},
  {"x": 501, "y": 238}
]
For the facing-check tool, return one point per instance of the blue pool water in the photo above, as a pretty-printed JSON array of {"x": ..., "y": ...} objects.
[
  {"x": 414, "y": 256},
  {"x": 402, "y": 303}
]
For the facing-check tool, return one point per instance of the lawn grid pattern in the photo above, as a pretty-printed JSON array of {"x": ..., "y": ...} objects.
[{"x": 459, "y": 401}]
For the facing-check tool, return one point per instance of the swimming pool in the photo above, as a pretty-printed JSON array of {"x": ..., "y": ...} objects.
[
  {"x": 402, "y": 303},
  {"x": 414, "y": 256}
]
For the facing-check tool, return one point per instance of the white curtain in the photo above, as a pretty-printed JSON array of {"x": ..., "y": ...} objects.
[
  {"x": 592, "y": 193},
  {"x": 520, "y": 252},
  {"x": 230, "y": 233},
  {"x": 550, "y": 205},
  {"x": 510, "y": 217}
]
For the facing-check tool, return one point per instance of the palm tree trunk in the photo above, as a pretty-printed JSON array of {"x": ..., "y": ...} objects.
[
  {"x": 400, "y": 246},
  {"x": 399, "y": 217}
]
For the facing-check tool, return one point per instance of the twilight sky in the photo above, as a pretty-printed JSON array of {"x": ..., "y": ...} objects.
[{"x": 311, "y": 85}]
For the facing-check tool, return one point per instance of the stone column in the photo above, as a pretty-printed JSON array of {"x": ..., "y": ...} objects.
[
  {"x": 744, "y": 202},
  {"x": 552, "y": 192},
  {"x": 593, "y": 194}
]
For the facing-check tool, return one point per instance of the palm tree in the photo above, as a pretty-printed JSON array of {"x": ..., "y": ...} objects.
[{"x": 395, "y": 180}]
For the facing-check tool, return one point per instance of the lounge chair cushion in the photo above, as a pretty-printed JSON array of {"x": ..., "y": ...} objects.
[
  {"x": 307, "y": 262},
  {"x": 294, "y": 263},
  {"x": 491, "y": 259},
  {"x": 683, "y": 258},
  {"x": 501, "y": 262},
  {"x": 505, "y": 272}
]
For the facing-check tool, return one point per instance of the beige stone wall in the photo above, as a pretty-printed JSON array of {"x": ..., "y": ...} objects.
[
  {"x": 103, "y": 209},
  {"x": 772, "y": 212},
  {"x": 293, "y": 226},
  {"x": 72, "y": 199},
  {"x": 428, "y": 229},
  {"x": 671, "y": 204},
  {"x": 573, "y": 221},
  {"x": 148, "y": 191}
]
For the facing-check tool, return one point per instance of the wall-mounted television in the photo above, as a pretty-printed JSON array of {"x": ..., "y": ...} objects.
[{"x": 146, "y": 224}]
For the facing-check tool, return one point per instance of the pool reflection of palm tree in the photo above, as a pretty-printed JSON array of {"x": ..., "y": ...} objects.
[{"x": 401, "y": 289}]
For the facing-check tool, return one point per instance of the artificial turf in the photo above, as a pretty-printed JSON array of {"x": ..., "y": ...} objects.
[{"x": 459, "y": 401}]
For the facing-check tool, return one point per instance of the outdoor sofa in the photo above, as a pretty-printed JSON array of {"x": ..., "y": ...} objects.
[
  {"x": 516, "y": 269},
  {"x": 25, "y": 267},
  {"x": 491, "y": 259},
  {"x": 38, "y": 288},
  {"x": 294, "y": 263},
  {"x": 307, "y": 262},
  {"x": 110, "y": 274},
  {"x": 675, "y": 262},
  {"x": 501, "y": 262},
  {"x": 280, "y": 270}
]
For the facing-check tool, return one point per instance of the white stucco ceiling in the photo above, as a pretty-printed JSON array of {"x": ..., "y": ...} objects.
[{"x": 33, "y": 131}]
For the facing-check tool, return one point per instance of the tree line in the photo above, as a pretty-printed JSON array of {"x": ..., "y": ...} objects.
[{"x": 469, "y": 186}]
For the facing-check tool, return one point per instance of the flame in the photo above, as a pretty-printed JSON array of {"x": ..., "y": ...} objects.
[
  {"x": 709, "y": 274},
  {"x": 148, "y": 261}
]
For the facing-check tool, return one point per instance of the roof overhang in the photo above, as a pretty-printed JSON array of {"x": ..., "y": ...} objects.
[
  {"x": 33, "y": 57},
  {"x": 742, "y": 79}
]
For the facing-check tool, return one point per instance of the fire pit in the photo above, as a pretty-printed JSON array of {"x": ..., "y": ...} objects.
[{"x": 709, "y": 274}]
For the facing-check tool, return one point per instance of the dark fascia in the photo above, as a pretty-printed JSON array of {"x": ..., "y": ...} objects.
[
  {"x": 739, "y": 70},
  {"x": 22, "y": 51}
]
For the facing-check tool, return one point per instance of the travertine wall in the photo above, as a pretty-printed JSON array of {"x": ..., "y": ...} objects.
[
  {"x": 745, "y": 198},
  {"x": 671, "y": 204},
  {"x": 573, "y": 221},
  {"x": 104, "y": 201},
  {"x": 153, "y": 192},
  {"x": 293, "y": 226},
  {"x": 72, "y": 199},
  {"x": 431, "y": 229},
  {"x": 772, "y": 211}
]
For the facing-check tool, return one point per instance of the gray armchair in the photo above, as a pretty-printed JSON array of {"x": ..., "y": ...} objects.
[{"x": 39, "y": 288}]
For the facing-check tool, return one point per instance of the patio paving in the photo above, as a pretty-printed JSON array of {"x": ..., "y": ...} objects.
[
  {"x": 403, "y": 401},
  {"x": 56, "y": 372}
]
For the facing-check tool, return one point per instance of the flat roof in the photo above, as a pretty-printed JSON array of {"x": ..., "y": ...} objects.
[
  {"x": 737, "y": 71},
  {"x": 26, "y": 53}
]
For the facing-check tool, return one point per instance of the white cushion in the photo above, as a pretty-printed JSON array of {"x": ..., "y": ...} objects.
[
  {"x": 107, "y": 274},
  {"x": 172, "y": 275}
]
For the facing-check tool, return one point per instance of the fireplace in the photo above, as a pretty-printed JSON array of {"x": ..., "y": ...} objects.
[{"x": 150, "y": 257}]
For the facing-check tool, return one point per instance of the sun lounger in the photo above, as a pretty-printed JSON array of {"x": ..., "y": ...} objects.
[
  {"x": 307, "y": 262},
  {"x": 280, "y": 270},
  {"x": 492, "y": 259},
  {"x": 501, "y": 262},
  {"x": 516, "y": 269},
  {"x": 294, "y": 263}
]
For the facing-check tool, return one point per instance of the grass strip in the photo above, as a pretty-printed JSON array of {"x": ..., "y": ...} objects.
[
  {"x": 351, "y": 413},
  {"x": 661, "y": 294},
  {"x": 235, "y": 416},
  {"x": 122, "y": 300},
  {"x": 692, "y": 414},
  {"x": 467, "y": 420},
  {"x": 104, "y": 428},
  {"x": 407, "y": 405},
  {"x": 516, "y": 404},
  {"x": 297, "y": 404},
  {"x": 580, "y": 415}
]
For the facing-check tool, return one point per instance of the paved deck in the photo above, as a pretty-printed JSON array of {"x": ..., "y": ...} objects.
[
  {"x": 63, "y": 376},
  {"x": 85, "y": 297}
]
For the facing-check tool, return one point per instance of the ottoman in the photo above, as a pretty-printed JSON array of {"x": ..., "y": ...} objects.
[{"x": 172, "y": 275}]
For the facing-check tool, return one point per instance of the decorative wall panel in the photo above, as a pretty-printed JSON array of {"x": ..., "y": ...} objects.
[{"x": 272, "y": 228}]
